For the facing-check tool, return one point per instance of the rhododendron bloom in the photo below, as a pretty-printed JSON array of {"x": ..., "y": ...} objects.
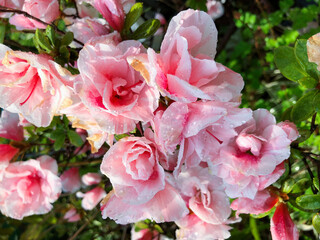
[
  {"x": 193, "y": 228},
  {"x": 45, "y": 10},
  {"x": 91, "y": 179},
  {"x": 215, "y": 9},
  {"x": 92, "y": 198},
  {"x": 282, "y": 226},
  {"x": 263, "y": 202},
  {"x": 72, "y": 215},
  {"x": 313, "y": 48},
  {"x": 205, "y": 195},
  {"x": 259, "y": 148},
  {"x": 29, "y": 187},
  {"x": 167, "y": 205},
  {"x": 132, "y": 165},
  {"x": 184, "y": 70},
  {"x": 86, "y": 28},
  {"x": 70, "y": 180},
  {"x": 32, "y": 85},
  {"x": 15, "y": 4},
  {"x": 117, "y": 95},
  {"x": 112, "y": 11}
]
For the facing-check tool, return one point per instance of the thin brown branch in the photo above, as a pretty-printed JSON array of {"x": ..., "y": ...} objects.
[
  {"x": 83, "y": 227},
  {"x": 11, "y": 10}
]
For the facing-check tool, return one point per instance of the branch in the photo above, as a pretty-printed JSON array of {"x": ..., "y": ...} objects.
[{"x": 11, "y": 10}]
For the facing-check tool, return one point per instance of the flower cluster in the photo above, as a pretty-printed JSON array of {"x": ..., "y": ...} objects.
[{"x": 187, "y": 147}]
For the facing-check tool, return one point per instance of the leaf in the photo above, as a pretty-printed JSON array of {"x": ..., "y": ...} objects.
[
  {"x": 287, "y": 114},
  {"x": 304, "y": 108},
  {"x": 316, "y": 222},
  {"x": 67, "y": 39},
  {"x": 300, "y": 50},
  {"x": 2, "y": 32},
  {"x": 42, "y": 41},
  {"x": 288, "y": 185},
  {"x": 133, "y": 15},
  {"x": 59, "y": 136},
  {"x": 285, "y": 4},
  {"x": 316, "y": 102},
  {"x": 287, "y": 63},
  {"x": 301, "y": 185},
  {"x": 316, "y": 183},
  {"x": 64, "y": 53},
  {"x": 75, "y": 138},
  {"x": 197, "y": 4},
  {"x": 146, "y": 29},
  {"x": 311, "y": 202},
  {"x": 51, "y": 34}
]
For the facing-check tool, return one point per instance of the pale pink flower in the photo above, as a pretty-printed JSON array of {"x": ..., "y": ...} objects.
[
  {"x": 86, "y": 28},
  {"x": 193, "y": 228},
  {"x": 29, "y": 187},
  {"x": 91, "y": 178},
  {"x": 167, "y": 205},
  {"x": 92, "y": 198},
  {"x": 46, "y": 10},
  {"x": 184, "y": 70},
  {"x": 132, "y": 165},
  {"x": 205, "y": 195},
  {"x": 263, "y": 202},
  {"x": 86, "y": 9},
  {"x": 112, "y": 11},
  {"x": 117, "y": 96},
  {"x": 15, "y": 4},
  {"x": 215, "y": 9},
  {"x": 255, "y": 152},
  {"x": 282, "y": 227},
  {"x": 9, "y": 126},
  {"x": 70, "y": 180},
  {"x": 72, "y": 215},
  {"x": 32, "y": 85}
]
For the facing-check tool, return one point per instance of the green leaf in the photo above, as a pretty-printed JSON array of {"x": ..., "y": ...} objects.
[
  {"x": 140, "y": 226},
  {"x": 301, "y": 185},
  {"x": 64, "y": 53},
  {"x": 197, "y": 4},
  {"x": 285, "y": 4},
  {"x": 287, "y": 63},
  {"x": 75, "y": 138},
  {"x": 311, "y": 202},
  {"x": 316, "y": 102},
  {"x": 43, "y": 41},
  {"x": 2, "y": 32},
  {"x": 146, "y": 29},
  {"x": 133, "y": 15},
  {"x": 158, "y": 228},
  {"x": 316, "y": 183},
  {"x": 308, "y": 82},
  {"x": 67, "y": 39},
  {"x": 304, "y": 108},
  {"x": 316, "y": 222},
  {"x": 287, "y": 114},
  {"x": 288, "y": 185},
  {"x": 300, "y": 50},
  {"x": 120, "y": 136},
  {"x": 51, "y": 34},
  {"x": 59, "y": 136}
]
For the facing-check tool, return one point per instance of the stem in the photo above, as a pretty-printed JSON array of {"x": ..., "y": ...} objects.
[
  {"x": 313, "y": 123},
  {"x": 11, "y": 10},
  {"x": 310, "y": 173}
]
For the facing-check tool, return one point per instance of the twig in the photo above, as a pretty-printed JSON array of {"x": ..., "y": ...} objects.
[
  {"x": 310, "y": 173},
  {"x": 313, "y": 123},
  {"x": 11, "y": 10},
  {"x": 83, "y": 227}
]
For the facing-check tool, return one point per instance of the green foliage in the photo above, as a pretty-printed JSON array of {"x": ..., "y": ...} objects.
[
  {"x": 146, "y": 29},
  {"x": 197, "y": 4},
  {"x": 133, "y": 15},
  {"x": 311, "y": 202}
]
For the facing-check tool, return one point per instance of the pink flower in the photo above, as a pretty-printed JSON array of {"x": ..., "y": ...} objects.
[
  {"x": 205, "y": 195},
  {"x": 167, "y": 205},
  {"x": 282, "y": 226},
  {"x": 91, "y": 179},
  {"x": 70, "y": 180},
  {"x": 147, "y": 234},
  {"x": 215, "y": 9},
  {"x": 263, "y": 202},
  {"x": 132, "y": 165},
  {"x": 32, "y": 85},
  {"x": 9, "y": 126},
  {"x": 117, "y": 96},
  {"x": 29, "y": 187},
  {"x": 46, "y": 10},
  {"x": 86, "y": 28},
  {"x": 112, "y": 11},
  {"x": 15, "y": 4},
  {"x": 255, "y": 153},
  {"x": 184, "y": 70},
  {"x": 92, "y": 198},
  {"x": 72, "y": 215},
  {"x": 193, "y": 228}
]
